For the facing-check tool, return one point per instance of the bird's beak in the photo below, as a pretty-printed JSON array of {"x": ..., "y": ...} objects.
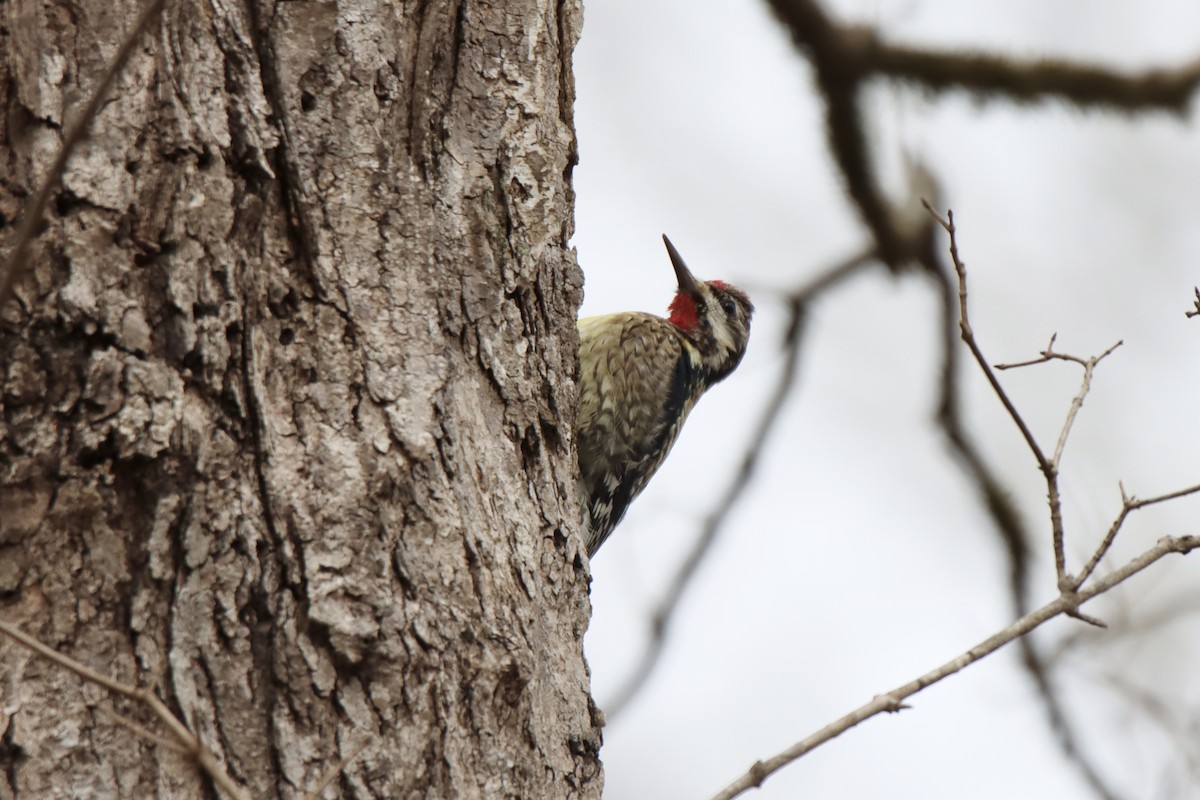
[{"x": 687, "y": 283}]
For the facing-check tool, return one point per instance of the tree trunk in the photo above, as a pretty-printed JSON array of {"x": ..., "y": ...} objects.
[{"x": 287, "y": 401}]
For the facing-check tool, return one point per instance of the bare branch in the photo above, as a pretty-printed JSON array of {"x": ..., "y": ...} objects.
[
  {"x": 1049, "y": 466},
  {"x": 997, "y": 500},
  {"x": 1042, "y": 358},
  {"x": 1008, "y": 525},
  {"x": 893, "y": 700},
  {"x": 1196, "y": 311},
  {"x": 17, "y": 262}
]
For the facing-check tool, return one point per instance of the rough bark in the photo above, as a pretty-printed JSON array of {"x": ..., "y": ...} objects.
[{"x": 287, "y": 397}]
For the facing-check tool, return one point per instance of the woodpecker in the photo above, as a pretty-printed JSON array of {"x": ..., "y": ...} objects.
[{"x": 639, "y": 377}]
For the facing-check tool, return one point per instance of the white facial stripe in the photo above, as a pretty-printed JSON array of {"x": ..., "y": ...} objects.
[{"x": 722, "y": 331}]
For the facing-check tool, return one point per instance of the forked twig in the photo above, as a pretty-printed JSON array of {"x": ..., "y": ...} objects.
[
  {"x": 1128, "y": 505},
  {"x": 1089, "y": 367}
]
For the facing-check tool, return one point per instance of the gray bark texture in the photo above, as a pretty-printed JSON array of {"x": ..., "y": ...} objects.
[{"x": 285, "y": 428}]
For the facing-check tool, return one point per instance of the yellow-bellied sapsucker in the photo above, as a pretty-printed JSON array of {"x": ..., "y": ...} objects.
[{"x": 639, "y": 376}]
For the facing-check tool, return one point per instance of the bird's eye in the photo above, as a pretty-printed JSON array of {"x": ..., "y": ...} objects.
[{"x": 728, "y": 306}]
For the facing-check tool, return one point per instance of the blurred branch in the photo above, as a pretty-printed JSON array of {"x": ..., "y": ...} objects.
[
  {"x": 831, "y": 51},
  {"x": 1003, "y": 77},
  {"x": 1064, "y": 604},
  {"x": 660, "y": 620},
  {"x": 1124, "y": 626},
  {"x": 1196, "y": 311},
  {"x": 1164, "y": 714},
  {"x": 844, "y": 57},
  {"x": 31, "y": 221},
  {"x": 839, "y": 77},
  {"x": 1056, "y": 716}
]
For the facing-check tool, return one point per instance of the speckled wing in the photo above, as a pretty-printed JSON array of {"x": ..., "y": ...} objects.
[{"x": 636, "y": 388}]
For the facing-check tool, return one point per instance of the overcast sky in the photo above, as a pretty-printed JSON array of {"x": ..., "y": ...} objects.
[{"x": 861, "y": 558}]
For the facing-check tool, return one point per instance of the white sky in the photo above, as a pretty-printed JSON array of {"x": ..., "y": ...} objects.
[{"x": 861, "y": 559}]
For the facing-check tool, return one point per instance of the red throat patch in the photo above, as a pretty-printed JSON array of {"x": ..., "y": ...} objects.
[{"x": 684, "y": 314}]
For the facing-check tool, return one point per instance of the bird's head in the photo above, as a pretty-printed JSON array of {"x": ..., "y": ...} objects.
[{"x": 713, "y": 315}]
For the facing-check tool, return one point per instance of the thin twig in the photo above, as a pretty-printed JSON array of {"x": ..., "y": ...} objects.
[
  {"x": 141, "y": 731},
  {"x": 187, "y": 740},
  {"x": 968, "y": 336},
  {"x": 1196, "y": 311},
  {"x": 1128, "y": 504},
  {"x": 996, "y": 496},
  {"x": 1056, "y": 523},
  {"x": 87, "y": 673},
  {"x": 17, "y": 261},
  {"x": 893, "y": 700},
  {"x": 664, "y": 612},
  {"x": 1089, "y": 367},
  {"x": 1048, "y": 468}
]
